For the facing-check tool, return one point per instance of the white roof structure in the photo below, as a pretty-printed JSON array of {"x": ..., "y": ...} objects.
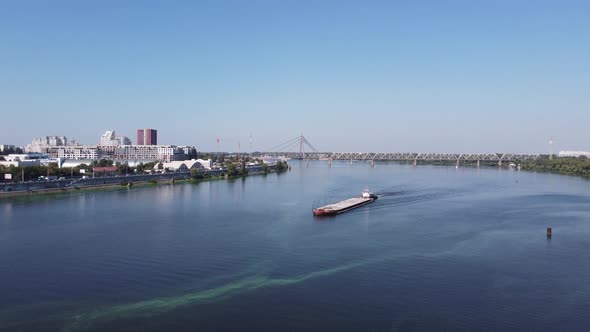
[
  {"x": 176, "y": 165},
  {"x": 573, "y": 153}
]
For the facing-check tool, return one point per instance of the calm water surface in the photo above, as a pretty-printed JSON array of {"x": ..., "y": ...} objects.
[{"x": 441, "y": 249}]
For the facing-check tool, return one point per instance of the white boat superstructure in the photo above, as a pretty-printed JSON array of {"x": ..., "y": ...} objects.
[{"x": 368, "y": 194}]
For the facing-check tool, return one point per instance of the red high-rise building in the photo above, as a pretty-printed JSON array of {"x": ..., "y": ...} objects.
[
  {"x": 147, "y": 136},
  {"x": 139, "y": 136}
]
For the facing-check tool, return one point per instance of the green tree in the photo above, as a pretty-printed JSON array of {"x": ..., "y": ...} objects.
[
  {"x": 121, "y": 168},
  {"x": 102, "y": 163},
  {"x": 265, "y": 168},
  {"x": 87, "y": 169},
  {"x": 53, "y": 169},
  {"x": 281, "y": 166},
  {"x": 195, "y": 174},
  {"x": 231, "y": 169},
  {"x": 243, "y": 169},
  {"x": 567, "y": 166},
  {"x": 2, "y": 172}
]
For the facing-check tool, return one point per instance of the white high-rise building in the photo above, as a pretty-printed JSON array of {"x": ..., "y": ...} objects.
[
  {"x": 39, "y": 143},
  {"x": 109, "y": 138}
]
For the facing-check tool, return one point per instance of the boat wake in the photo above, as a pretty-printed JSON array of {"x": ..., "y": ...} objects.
[{"x": 389, "y": 199}]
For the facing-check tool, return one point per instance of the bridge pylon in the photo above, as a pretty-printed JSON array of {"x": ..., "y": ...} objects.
[{"x": 297, "y": 143}]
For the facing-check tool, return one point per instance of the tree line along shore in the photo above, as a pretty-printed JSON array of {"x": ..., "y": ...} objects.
[
  {"x": 15, "y": 189},
  {"x": 232, "y": 168},
  {"x": 577, "y": 166}
]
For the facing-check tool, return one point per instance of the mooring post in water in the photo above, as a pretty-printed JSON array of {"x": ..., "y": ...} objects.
[{"x": 548, "y": 232}]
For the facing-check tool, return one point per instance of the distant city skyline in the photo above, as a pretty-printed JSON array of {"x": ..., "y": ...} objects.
[{"x": 458, "y": 76}]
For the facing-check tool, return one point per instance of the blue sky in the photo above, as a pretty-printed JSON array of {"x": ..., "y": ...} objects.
[{"x": 440, "y": 76}]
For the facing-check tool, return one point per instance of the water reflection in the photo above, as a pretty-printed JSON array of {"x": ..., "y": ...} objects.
[{"x": 7, "y": 212}]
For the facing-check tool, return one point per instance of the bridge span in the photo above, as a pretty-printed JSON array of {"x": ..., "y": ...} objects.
[
  {"x": 300, "y": 142},
  {"x": 404, "y": 156}
]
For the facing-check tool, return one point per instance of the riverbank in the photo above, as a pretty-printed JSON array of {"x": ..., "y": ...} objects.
[
  {"x": 564, "y": 166},
  {"x": 46, "y": 191},
  {"x": 124, "y": 183}
]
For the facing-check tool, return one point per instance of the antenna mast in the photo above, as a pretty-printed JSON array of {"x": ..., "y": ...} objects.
[{"x": 217, "y": 147}]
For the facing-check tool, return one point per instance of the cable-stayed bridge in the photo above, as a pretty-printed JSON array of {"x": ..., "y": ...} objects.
[{"x": 300, "y": 143}]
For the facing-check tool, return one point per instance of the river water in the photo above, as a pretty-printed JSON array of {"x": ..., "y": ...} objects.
[{"x": 441, "y": 249}]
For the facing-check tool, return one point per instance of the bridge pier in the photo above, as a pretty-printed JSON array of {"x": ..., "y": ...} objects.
[
  {"x": 308, "y": 162},
  {"x": 372, "y": 162},
  {"x": 351, "y": 161},
  {"x": 415, "y": 162},
  {"x": 500, "y": 163},
  {"x": 478, "y": 163},
  {"x": 330, "y": 162},
  {"x": 457, "y": 164}
]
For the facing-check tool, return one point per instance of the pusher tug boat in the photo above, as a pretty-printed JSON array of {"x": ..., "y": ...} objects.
[{"x": 345, "y": 205}]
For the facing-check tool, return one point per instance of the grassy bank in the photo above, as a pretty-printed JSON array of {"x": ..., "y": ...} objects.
[{"x": 564, "y": 166}]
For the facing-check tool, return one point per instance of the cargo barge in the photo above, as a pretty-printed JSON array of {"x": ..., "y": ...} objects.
[{"x": 345, "y": 205}]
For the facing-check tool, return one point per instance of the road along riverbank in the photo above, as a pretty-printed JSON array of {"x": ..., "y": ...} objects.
[{"x": 63, "y": 186}]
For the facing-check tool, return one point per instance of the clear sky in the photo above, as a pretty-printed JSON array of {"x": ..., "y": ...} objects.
[{"x": 420, "y": 76}]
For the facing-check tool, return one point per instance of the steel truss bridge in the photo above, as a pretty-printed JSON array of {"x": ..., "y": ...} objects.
[
  {"x": 300, "y": 142},
  {"x": 400, "y": 156}
]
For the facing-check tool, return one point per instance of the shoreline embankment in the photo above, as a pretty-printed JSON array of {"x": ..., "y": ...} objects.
[{"x": 20, "y": 189}]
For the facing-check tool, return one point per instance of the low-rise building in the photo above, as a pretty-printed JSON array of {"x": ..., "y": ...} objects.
[
  {"x": 28, "y": 160},
  {"x": 270, "y": 161},
  {"x": 574, "y": 154},
  {"x": 165, "y": 153},
  {"x": 205, "y": 163},
  {"x": 77, "y": 152},
  {"x": 68, "y": 163},
  {"x": 185, "y": 165}
]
